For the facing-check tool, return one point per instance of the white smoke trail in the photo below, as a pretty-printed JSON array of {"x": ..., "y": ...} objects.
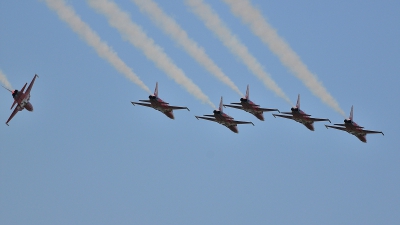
[
  {"x": 68, "y": 14},
  {"x": 3, "y": 79},
  {"x": 179, "y": 35},
  {"x": 137, "y": 37},
  {"x": 214, "y": 23},
  {"x": 260, "y": 27}
]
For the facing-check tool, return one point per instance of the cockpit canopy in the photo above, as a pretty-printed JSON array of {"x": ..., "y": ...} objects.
[
  {"x": 152, "y": 97},
  {"x": 217, "y": 112},
  {"x": 294, "y": 109}
]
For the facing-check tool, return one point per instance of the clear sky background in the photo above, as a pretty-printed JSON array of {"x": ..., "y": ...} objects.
[{"x": 86, "y": 155}]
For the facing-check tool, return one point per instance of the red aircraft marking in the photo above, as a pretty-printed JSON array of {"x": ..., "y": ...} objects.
[
  {"x": 21, "y": 99},
  {"x": 158, "y": 104},
  {"x": 247, "y": 105},
  {"x": 299, "y": 116},
  {"x": 222, "y": 118},
  {"x": 353, "y": 128}
]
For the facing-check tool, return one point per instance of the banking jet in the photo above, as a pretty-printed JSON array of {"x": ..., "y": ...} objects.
[
  {"x": 249, "y": 106},
  {"x": 222, "y": 118},
  {"x": 299, "y": 116},
  {"x": 158, "y": 104},
  {"x": 21, "y": 99},
  {"x": 351, "y": 127}
]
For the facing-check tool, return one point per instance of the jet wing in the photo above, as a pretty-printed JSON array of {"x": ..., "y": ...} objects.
[
  {"x": 289, "y": 113},
  {"x": 139, "y": 103},
  {"x": 12, "y": 115},
  {"x": 339, "y": 124},
  {"x": 337, "y": 128},
  {"x": 144, "y": 100},
  {"x": 28, "y": 91},
  {"x": 178, "y": 107},
  {"x": 210, "y": 115},
  {"x": 234, "y": 106},
  {"x": 268, "y": 110},
  {"x": 373, "y": 132},
  {"x": 283, "y": 116},
  {"x": 318, "y": 119},
  {"x": 206, "y": 118},
  {"x": 242, "y": 122}
]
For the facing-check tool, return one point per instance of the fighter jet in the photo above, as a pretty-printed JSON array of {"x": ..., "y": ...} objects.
[
  {"x": 299, "y": 116},
  {"x": 21, "y": 99},
  {"x": 158, "y": 104},
  {"x": 249, "y": 106},
  {"x": 222, "y": 118},
  {"x": 352, "y": 128}
]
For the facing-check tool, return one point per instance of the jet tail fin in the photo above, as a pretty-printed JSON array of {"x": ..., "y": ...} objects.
[
  {"x": 298, "y": 102},
  {"x": 351, "y": 113},
  {"x": 247, "y": 92},
  {"x": 221, "y": 105},
  {"x": 156, "y": 90}
]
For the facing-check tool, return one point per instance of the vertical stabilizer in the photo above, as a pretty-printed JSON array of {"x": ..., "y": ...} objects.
[
  {"x": 298, "y": 102},
  {"x": 247, "y": 92},
  {"x": 156, "y": 90},
  {"x": 351, "y": 113},
  {"x": 220, "y": 105}
]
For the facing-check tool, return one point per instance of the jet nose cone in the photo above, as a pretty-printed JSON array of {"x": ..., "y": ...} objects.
[
  {"x": 310, "y": 127},
  {"x": 29, "y": 107},
  {"x": 170, "y": 115},
  {"x": 234, "y": 129},
  {"x": 260, "y": 116}
]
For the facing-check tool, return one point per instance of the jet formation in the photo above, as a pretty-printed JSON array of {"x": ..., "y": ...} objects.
[{"x": 22, "y": 101}]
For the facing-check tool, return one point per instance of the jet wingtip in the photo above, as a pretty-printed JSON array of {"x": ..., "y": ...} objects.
[
  {"x": 326, "y": 126},
  {"x": 274, "y": 115},
  {"x": 187, "y": 108},
  {"x": 7, "y": 124},
  {"x": 197, "y": 117},
  {"x": 133, "y": 103}
]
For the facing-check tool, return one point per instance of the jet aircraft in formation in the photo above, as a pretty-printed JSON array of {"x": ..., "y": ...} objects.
[
  {"x": 222, "y": 118},
  {"x": 353, "y": 128},
  {"x": 299, "y": 116},
  {"x": 158, "y": 104},
  {"x": 247, "y": 105},
  {"x": 21, "y": 99}
]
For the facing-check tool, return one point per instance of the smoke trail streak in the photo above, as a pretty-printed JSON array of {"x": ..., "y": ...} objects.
[
  {"x": 170, "y": 27},
  {"x": 67, "y": 14},
  {"x": 260, "y": 27},
  {"x": 214, "y": 23},
  {"x": 137, "y": 37},
  {"x": 4, "y": 81}
]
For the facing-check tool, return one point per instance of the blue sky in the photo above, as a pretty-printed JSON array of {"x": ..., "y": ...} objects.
[{"x": 87, "y": 156}]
